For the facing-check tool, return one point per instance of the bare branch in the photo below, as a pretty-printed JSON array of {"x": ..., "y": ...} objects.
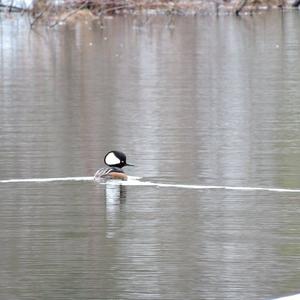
[
  {"x": 240, "y": 6},
  {"x": 11, "y": 7},
  {"x": 296, "y": 3},
  {"x": 69, "y": 15},
  {"x": 39, "y": 16}
]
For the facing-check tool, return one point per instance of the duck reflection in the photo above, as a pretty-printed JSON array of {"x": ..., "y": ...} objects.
[{"x": 115, "y": 196}]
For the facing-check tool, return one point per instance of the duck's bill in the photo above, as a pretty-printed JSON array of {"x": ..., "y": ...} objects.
[{"x": 130, "y": 165}]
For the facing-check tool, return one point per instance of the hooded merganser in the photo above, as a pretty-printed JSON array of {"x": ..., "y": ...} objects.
[{"x": 115, "y": 160}]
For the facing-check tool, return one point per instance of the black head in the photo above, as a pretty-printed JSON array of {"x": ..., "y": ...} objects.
[{"x": 116, "y": 159}]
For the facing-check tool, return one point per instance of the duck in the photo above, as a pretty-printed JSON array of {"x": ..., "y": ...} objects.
[{"x": 115, "y": 161}]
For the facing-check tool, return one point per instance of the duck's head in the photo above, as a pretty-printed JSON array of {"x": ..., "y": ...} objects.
[{"x": 116, "y": 159}]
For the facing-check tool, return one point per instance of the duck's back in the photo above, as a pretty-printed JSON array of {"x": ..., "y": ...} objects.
[{"x": 105, "y": 172}]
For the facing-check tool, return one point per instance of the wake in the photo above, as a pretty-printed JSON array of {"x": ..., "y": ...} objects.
[
  {"x": 47, "y": 179},
  {"x": 135, "y": 181}
]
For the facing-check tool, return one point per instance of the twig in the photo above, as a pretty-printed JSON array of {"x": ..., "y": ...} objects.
[
  {"x": 11, "y": 7},
  {"x": 240, "y": 7},
  {"x": 69, "y": 14},
  {"x": 39, "y": 16},
  {"x": 104, "y": 11},
  {"x": 296, "y": 3}
]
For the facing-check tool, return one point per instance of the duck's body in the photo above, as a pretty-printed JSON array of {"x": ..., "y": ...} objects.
[
  {"x": 115, "y": 160},
  {"x": 113, "y": 173}
]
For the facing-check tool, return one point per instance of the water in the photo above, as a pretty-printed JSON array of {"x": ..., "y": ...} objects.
[{"x": 212, "y": 102}]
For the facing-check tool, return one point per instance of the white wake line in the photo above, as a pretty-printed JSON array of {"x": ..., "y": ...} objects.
[
  {"x": 135, "y": 182},
  {"x": 209, "y": 187},
  {"x": 47, "y": 179},
  {"x": 293, "y": 297}
]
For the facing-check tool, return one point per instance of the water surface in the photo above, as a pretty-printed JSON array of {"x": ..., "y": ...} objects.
[{"x": 212, "y": 101}]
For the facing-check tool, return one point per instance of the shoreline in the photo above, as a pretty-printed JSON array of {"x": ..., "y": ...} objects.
[{"x": 43, "y": 11}]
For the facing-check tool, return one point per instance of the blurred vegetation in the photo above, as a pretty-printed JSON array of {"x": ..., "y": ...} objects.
[{"x": 59, "y": 11}]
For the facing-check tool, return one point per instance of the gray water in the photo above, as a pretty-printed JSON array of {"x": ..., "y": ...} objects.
[{"x": 212, "y": 101}]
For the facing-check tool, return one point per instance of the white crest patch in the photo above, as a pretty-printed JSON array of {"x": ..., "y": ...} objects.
[{"x": 111, "y": 159}]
